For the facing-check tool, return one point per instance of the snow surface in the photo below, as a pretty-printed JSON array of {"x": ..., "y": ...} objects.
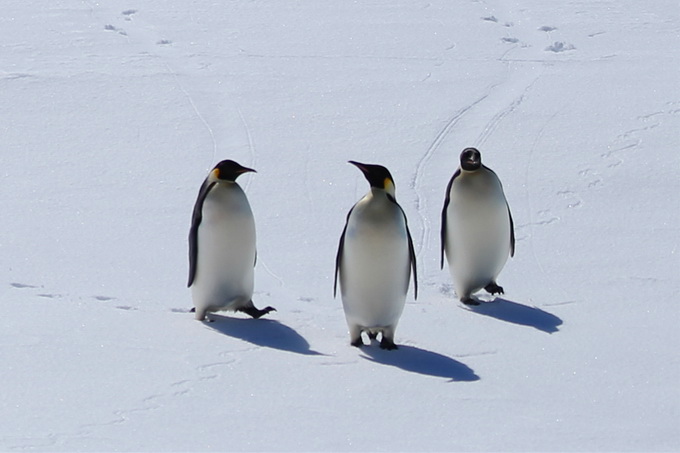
[{"x": 113, "y": 112}]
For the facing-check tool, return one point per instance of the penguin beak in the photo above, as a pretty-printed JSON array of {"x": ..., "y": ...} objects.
[
  {"x": 246, "y": 170},
  {"x": 359, "y": 165}
]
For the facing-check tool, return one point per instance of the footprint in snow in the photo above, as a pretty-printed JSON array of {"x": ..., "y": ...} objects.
[
  {"x": 120, "y": 31},
  {"x": 446, "y": 289},
  {"x": 22, "y": 285},
  {"x": 559, "y": 46}
]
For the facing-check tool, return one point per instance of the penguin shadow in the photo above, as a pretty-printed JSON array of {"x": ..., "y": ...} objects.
[
  {"x": 267, "y": 333},
  {"x": 421, "y": 361},
  {"x": 512, "y": 312}
]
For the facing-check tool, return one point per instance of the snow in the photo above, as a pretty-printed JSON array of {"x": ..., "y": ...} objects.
[{"x": 113, "y": 112}]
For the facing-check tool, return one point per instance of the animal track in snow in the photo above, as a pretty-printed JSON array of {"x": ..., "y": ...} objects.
[
  {"x": 559, "y": 47},
  {"x": 572, "y": 199},
  {"x": 545, "y": 217},
  {"x": 547, "y": 28},
  {"x": 110, "y": 27},
  {"x": 446, "y": 289},
  {"x": 22, "y": 285}
]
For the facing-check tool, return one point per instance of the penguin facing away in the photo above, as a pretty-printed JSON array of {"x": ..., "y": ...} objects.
[
  {"x": 222, "y": 251},
  {"x": 375, "y": 260},
  {"x": 477, "y": 231}
]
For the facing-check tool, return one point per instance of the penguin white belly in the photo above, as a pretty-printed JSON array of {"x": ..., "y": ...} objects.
[
  {"x": 375, "y": 275},
  {"x": 477, "y": 240},
  {"x": 226, "y": 252}
]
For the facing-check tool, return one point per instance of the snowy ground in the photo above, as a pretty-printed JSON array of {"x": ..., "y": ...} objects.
[{"x": 112, "y": 113}]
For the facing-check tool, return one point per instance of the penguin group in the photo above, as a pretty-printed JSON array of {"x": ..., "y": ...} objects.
[{"x": 375, "y": 261}]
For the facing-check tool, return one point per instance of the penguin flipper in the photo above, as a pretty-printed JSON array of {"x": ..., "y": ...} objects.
[
  {"x": 447, "y": 200},
  {"x": 411, "y": 249},
  {"x": 512, "y": 232},
  {"x": 338, "y": 257},
  {"x": 512, "y": 224},
  {"x": 412, "y": 258},
  {"x": 196, "y": 218}
]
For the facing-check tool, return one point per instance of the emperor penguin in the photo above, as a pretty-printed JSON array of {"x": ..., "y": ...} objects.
[
  {"x": 375, "y": 260},
  {"x": 477, "y": 232},
  {"x": 222, "y": 245}
]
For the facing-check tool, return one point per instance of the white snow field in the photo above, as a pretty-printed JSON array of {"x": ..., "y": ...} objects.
[{"x": 112, "y": 112}]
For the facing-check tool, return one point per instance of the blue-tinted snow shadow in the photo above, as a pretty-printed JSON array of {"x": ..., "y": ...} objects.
[
  {"x": 421, "y": 361},
  {"x": 267, "y": 333},
  {"x": 515, "y": 313}
]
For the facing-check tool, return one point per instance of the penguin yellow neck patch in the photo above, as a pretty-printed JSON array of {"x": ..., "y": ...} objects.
[
  {"x": 215, "y": 174},
  {"x": 388, "y": 184}
]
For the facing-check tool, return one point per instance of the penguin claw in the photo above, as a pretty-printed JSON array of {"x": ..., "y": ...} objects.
[
  {"x": 357, "y": 343},
  {"x": 493, "y": 288},
  {"x": 469, "y": 301},
  {"x": 388, "y": 344},
  {"x": 256, "y": 313}
]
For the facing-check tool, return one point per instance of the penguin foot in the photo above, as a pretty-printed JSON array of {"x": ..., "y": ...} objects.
[
  {"x": 202, "y": 316},
  {"x": 493, "y": 288},
  {"x": 388, "y": 344},
  {"x": 357, "y": 343},
  {"x": 469, "y": 301},
  {"x": 255, "y": 312}
]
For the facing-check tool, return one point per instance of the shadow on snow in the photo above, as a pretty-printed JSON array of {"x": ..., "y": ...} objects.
[
  {"x": 515, "y": 313},
  {"x": 267, "y": 333},
  {"x": 416, "y": 360}
]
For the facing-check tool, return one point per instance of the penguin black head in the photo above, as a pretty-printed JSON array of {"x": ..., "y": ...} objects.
[
  {"x": 470, "y": 159},
  {"x": 377, "y": 175},
  {"x": 228, "y": 170}
]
